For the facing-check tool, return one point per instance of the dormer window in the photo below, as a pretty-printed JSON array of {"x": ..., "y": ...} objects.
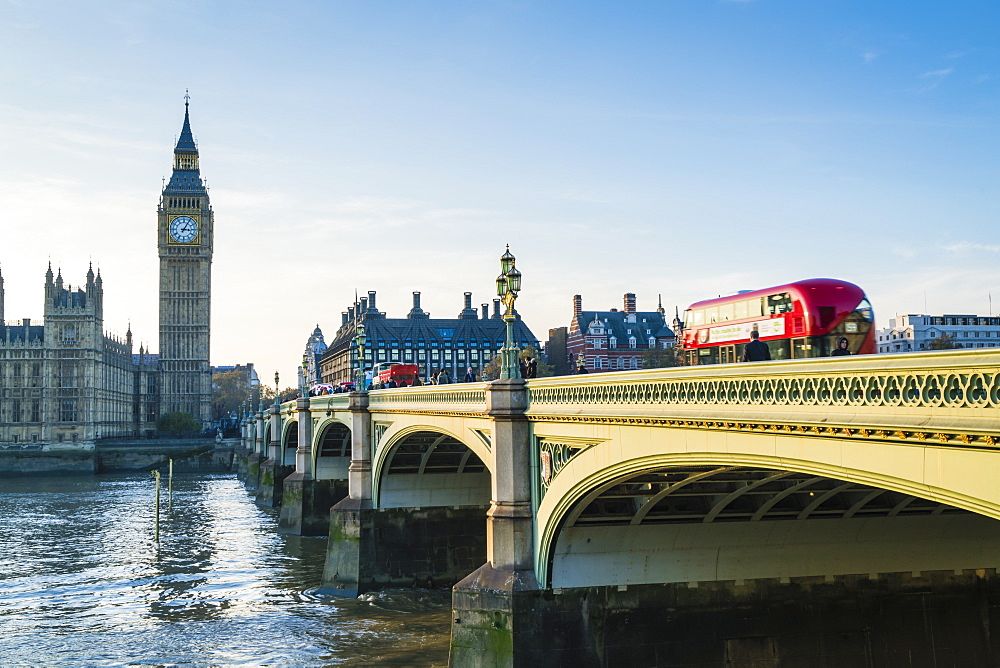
[
  {"x": 631, "y": 342},
  {"x": 612, "y": 342}
]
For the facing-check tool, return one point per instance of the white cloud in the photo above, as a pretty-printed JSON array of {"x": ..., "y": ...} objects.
[
  {"x": 937, "y": 73},
  {"x": 971, "y": 245}
]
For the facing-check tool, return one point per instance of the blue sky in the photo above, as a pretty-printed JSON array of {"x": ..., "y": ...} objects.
[{"x": 688, "y": 149}]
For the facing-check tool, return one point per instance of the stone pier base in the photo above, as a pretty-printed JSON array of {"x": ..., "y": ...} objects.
[
  {"x": 271, "y": 487},
  {"x": 251, "y": 479},
  {"x": 401, "y": 547},
  {"x": 240, "y": 456},
  {"x": 928, "y": 619},
  {"x": 306, "y": 503}
]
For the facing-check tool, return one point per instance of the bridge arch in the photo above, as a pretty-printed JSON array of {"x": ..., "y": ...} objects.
[
  {"x": 331, "y": 450},
  {"x": 289, "y": 441},
  {"x": 423, "y": 466},
  {"x": 686, "y": 506},
  {"x": 266, "y": 437}
]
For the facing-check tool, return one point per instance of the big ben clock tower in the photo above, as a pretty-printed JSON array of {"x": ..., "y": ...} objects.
[{"x": 184, "y": 240}]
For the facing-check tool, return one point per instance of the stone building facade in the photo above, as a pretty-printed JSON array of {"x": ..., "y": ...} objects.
[
  {"x": 471, "y": 339},
  {"x": 65, "y": 381},
  {"x": 915, "y": 331}
]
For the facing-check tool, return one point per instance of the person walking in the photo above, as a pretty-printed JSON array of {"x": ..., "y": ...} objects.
[
  {"x": 841, "y": 348},
  {"x": 756, "y": 350},
  {"x": 469, "y": 376},
  {"x": 443, "y": 377}
]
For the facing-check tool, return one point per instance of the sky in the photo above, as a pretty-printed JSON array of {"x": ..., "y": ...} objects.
[{"x": 688, "y": 149}]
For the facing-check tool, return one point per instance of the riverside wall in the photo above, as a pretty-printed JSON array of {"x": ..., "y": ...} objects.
[{"x": 189, "y": 455}]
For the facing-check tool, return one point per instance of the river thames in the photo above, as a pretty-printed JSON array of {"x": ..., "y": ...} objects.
[{"x": 83, "y": 582}]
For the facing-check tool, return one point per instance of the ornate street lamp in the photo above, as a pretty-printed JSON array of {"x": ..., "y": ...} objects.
[
  {"x": 359, "y": 342},
  {"x": 508, "y": 285},
  {"x": 277, "y": 390}
]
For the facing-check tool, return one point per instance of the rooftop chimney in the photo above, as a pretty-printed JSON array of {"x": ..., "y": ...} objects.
[
  {"x": 577, "y": 305},
  {"x": 486, "y": 311},
  {"x": 496, "y": 309},
  {"x": 416, "y": 311},
  {"x": 468, "y": 313},
  {"x": 371, "y": 300},
  {"x": 344, "y": 317},
  {"x": 630, "y": 302}
]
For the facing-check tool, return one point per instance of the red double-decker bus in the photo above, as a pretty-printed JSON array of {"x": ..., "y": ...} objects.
[{"x": 798, "y": 320}]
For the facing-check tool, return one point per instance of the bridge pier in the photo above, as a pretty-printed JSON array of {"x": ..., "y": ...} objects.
[
  {"x": 305, "y": 501},
  {"x": 925, "y": 619},
  {"x": 272, "y": 470},
  {"x": 348, "y": 558},
  {"x": 496, "y": 609}
]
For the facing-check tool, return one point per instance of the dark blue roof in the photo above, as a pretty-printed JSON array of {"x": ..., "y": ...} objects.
[
  {"x": 184, "y": 181},
  {"x": 21, "y": 333}
]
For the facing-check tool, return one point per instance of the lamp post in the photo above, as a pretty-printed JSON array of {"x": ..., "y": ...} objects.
[
  {"x": 277, "y": 390},
  {"x": 508, "y": 285},
  {"x": 359, "y": 342}
]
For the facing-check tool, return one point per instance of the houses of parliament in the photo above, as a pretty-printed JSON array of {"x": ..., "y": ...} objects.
[{"x": 66, "y": 381}]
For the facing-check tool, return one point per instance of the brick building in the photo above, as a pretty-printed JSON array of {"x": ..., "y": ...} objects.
[{"x": 615, "y": 340}]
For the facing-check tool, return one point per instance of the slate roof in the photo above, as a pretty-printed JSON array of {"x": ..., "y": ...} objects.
[
  {"x": 615, "y": 324},
  {"x": 13, "y": 333}
]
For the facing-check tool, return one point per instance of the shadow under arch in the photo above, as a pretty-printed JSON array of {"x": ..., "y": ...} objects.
[
  {"x": 684, "y": 517},
  {"x": 289, "y": 442},
  {"x": 266, "y": 437},
  {"x": 423, "y": 467},
  {"x": 331, "y": 451}
]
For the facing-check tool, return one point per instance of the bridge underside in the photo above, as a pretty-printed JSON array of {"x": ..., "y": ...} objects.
[{"x": 705, "y": 523}]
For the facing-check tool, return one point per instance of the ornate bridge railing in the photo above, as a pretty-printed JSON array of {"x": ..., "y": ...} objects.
[
  {"x": 454, "y": 398},
  {"x": 951, "y": 397}
]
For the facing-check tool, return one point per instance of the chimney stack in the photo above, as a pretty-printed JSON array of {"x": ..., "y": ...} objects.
[
  {"x": 577, "y": 305},
  {"x": 371, "y": 300},
  {"x": 629, "y": 302},
  {"x": 416, "y": 311},
  {"x": 496, "y": 309},
  {"x": 486, "y": 311}
]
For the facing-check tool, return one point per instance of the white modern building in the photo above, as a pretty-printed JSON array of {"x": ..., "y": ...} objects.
[{"x": 915, "y": 331}]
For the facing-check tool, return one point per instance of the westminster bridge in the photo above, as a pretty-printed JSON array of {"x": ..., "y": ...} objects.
[{"x": 827, "y": 512}]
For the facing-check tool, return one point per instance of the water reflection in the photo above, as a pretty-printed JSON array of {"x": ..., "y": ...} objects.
[{"x": 83, "y": 582}]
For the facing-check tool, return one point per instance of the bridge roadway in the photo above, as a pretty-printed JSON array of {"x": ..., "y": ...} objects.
[{"x": 837, "y": 511}]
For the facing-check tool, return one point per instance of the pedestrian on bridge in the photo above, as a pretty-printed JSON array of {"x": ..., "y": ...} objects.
[
  {"x": 756, "y": 350},
  {"x": 841, "y": 348}
]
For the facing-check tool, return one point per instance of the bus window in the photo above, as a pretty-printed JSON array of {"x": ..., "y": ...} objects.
[
  {"x": 755, "y": 308},
  {"x": 740, "y": 310},
  {"x": 780, "y": 303},
  {"x": 725, "y": 312},
  {"x": 711, "y": 315},
  {"x": 781, "y": 349},
  {"x": 693, "y": 318}
]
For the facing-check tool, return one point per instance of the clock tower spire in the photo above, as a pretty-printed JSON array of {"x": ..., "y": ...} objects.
[{"x": 185, "y": 232}]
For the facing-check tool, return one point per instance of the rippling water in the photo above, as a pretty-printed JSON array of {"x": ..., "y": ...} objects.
[{"x": 84, "y": 583}]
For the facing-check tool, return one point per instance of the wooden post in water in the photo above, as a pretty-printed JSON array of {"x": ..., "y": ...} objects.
[
  {"x": 170, "y": 486},
  {"x": 156, "y": 474}
]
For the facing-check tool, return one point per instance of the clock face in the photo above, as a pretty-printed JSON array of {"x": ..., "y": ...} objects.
[{"x": 183, "y": 229}]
